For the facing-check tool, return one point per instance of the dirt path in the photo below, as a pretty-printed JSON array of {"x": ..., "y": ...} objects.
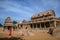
[
  {"x": 41, "y": 36},
  {"x": 37, "y": 36}
]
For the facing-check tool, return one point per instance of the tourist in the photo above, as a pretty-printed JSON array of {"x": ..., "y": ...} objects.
[
  {"x": 10, "y": 32},
  {"x": 51, "y": 29}
]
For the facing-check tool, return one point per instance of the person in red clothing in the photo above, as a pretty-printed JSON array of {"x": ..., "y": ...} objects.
[{"x": 10, "y": 32}]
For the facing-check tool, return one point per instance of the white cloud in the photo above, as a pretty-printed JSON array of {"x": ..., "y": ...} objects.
[{"x": 15, "y": 7}]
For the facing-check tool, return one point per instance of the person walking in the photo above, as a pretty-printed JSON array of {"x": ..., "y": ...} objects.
[
  {"x": 51, "y": 29},
  {"x": 10, "y": 32}
]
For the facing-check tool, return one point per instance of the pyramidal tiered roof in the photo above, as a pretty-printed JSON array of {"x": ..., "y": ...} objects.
[
  {"x": 49, "y": 12},
  {"x": 24, "y": 21},
  {"x": 8, "y": 22}
]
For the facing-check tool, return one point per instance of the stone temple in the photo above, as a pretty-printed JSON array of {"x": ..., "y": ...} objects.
[
  {"x": 42, "y": 20},
  {"x": 8, "y": 23}
]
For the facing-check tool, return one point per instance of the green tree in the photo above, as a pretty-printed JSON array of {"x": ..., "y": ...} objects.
[
  {"x": 1, "y": 25},
  {"x": 14, "y": 22}
]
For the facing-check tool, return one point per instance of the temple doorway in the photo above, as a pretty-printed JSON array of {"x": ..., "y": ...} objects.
[
  {"x": 9, "y": 27},
  {"x": 47, "y": 24}
]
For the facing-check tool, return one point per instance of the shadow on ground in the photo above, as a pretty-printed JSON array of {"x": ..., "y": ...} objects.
[{"x": 12, "y": 38}]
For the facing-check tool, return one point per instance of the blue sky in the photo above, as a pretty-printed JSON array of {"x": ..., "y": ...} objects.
[{"x": 24, "y": 9}]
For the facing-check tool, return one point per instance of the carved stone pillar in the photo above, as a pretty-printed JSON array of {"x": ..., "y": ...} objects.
[
  {"x": 55, "y": 23},
  {"x": 44, "y": 25},
  {"x": 40, "y": 25},
  {"x": 36, "y": 25},
  {"x": 33, "y": 26}
]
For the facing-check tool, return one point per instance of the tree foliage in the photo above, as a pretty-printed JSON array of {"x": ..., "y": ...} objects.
[
  {"x": 14, "y": 22},
  {"x": 1, "y": 25}
]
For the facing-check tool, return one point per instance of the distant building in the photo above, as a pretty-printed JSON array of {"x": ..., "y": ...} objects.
[
  {"x": 41, "y": 20},
  {"x": 8, "y": 23}
]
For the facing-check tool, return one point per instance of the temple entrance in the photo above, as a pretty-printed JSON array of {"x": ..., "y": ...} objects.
[
  {"x": 47, "y": 24},
  {"x": 9, "y": 27},
  {"x": 38, "y": 25},
  {"x": 21, "y": 26},
  {"x": 31, "y": 26},
  {"x": 34, "y": 25},
  {"x": 42, "y": 25}
]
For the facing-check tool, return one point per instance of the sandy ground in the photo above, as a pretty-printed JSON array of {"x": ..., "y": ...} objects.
[
  {"x": 41, "y": 36},
  {"x": 38, "y": 35}
]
